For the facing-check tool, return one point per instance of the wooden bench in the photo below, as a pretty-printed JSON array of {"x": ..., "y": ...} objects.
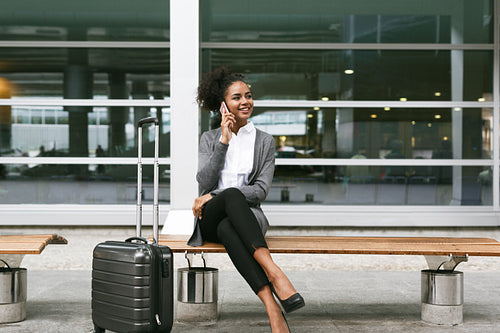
[
  {"x": 442, "y": 254},
  {"x": 28, "y": 244},
  {"x": 13, "y": 280}
]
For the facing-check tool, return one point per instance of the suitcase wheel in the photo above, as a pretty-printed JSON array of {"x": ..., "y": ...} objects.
[{"x": 97, "y": 329}]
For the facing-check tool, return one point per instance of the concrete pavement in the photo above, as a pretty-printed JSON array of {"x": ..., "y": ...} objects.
[{"x": 344, "y": 293}]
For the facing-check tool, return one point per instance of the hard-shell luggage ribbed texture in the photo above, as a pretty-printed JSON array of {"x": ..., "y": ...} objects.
[
  {"x": 132, "y": 281},
  {"x": 132, "y": 287}
]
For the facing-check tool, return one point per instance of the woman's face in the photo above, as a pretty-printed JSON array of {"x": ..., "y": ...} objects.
[{"x": 239, "y": 100}]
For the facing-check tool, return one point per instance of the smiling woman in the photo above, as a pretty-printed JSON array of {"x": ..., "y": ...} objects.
[{"x": 236, "y": 166}]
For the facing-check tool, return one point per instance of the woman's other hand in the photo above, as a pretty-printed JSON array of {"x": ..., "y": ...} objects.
[
  {"x": 226, "y": 124},
  {"x": 199, "y": 203}
]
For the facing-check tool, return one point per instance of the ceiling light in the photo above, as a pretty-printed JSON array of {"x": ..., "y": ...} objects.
[
  {"x": 437, "y": 116},
  {"x": 437, "y": 94},
  {"x": 316, "y": 108},
  {"x": 373, "y": 116},
  {"x": 445, "y": 138},
  {"x": 403, "y": 99},
  {"x": 429, "y": 124},
  {"x": 349, "y": 71},
  {"x": 325, "y": 99},
  {"x": 457, "y": 109},
  {"x": 387, "y": 108},
  {"x": 482, "y": 99},
  {"x": 310, "y": 116},
  {"x": 413, "y": 122}
]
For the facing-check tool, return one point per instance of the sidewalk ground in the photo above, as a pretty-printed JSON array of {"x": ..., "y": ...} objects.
[{"x": 344, "y": 293}]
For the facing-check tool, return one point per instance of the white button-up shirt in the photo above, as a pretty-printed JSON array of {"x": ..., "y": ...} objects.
[{"x": 239, "y": 158}]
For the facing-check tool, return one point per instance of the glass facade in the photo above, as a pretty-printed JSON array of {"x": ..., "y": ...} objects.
[
  {"x": 371, "y": 103},
  {"x": 377, "y": 75},
  {"x": 59, "y": 20}
]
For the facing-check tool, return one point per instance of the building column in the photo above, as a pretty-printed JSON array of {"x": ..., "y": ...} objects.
[
  {"x": 118, "y": 115},
  {"x": 78, "y": 85},
  {"x": 5, "y": 117},
  {"x": 457, "y": 94},
  {"x": 184, "y": 134}
]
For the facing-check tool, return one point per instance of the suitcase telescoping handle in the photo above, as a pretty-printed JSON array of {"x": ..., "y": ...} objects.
[{"x": 156, "y": 211}]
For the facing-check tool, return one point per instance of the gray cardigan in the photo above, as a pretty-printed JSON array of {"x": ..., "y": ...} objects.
[{"x": 211, "y": 158}]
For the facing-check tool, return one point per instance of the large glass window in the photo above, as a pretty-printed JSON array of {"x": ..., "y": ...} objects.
[
  {"x": 435, "y": 57},
  {"x": 72, "y": 95},
  {"x": 76, "y": 131},
  {"x": 74, "y": 20},
  {"x": 353, "y": 21},
  {"x": 118, "y": 73},
  {"x": 79, "y": 184},
  {"x": 381, "y": 133},
  {"x": 389, "y": 75},
  {"x": 381, "y": 185}
]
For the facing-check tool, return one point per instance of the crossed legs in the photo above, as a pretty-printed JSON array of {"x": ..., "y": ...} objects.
[{"x": 227, "y": 219}]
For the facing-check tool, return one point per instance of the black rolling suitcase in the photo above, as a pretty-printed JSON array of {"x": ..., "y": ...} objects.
[{"x": 132, "y": 281}]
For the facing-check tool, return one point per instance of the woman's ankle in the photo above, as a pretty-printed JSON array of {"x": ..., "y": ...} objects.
[{"x": 283, "y": 287}]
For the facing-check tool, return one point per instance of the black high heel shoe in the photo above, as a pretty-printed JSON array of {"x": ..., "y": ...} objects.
[{"x": 290, "y": 304}]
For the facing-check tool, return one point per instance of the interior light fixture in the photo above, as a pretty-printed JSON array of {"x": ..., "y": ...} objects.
[
  {"x": 310, "y": 116},
  {"x": 387, "y": 108},
  {"x": 445, "y": 138},
  {"x": 457, "y": 109},
  {"x": 349, "y": 71},
  {"x": 403, "y": 99},
  {"x": 316, "y": 108},
  {"x": 429, "y": 124},
  {"x": 481, "y": 99},
  {"x": 437, "y": 94},
  {"x": 413, "y": 122},
  {"x": 325, "y": 99},
  {"x": 373, "y": 116},
  {"x": 437, "y": 116}
]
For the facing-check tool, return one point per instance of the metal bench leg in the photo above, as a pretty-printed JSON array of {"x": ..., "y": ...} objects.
[
  {"x": 197, "y": 292},
  {"x": 442, "y": 290},
  {"x": 13, "y": 283}
]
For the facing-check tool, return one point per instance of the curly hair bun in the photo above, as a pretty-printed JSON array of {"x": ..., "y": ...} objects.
[{"x": 213, "y": 86}]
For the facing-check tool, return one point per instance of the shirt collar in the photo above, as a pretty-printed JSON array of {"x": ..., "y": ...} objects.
[{"x": 248, "y": 128}]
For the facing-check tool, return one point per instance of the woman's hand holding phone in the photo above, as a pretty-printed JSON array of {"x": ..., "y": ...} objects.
[{"x": 226, "y": 123}]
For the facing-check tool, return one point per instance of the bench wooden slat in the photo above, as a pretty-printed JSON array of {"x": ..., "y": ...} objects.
[
  {"x": 48, "y": 238},
  {"x": 358, "y": 245},
  {"x": 21, "y": 248},
  {"x": 28, "y": 244}
]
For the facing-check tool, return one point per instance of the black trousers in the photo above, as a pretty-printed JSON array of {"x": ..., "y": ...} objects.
[{"x": 227, "y": 219}]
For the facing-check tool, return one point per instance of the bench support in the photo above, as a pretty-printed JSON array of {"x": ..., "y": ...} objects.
[
  {"x": 442, "y": 290},
  {"x": 13, "y": 260},
  {"x": 447, "y": 263},
  {"x": 13, "y": 285}
]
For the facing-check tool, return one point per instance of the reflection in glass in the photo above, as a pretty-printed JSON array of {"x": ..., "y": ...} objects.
[
  {"x": 57, "y": 20},
  {"x": 86, "y": 73},
  {"x": 371, "y": 185},
  {"x": 392, "y": 134},
  {"x": 79, "y": 184},
  {"x": 45, "y": 132},
  {"x": 393, "y": 75},
  {"x": 361, "y": 21}
]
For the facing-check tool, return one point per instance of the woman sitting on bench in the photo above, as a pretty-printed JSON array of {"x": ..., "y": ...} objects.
[{"x": 236, "y": 166}]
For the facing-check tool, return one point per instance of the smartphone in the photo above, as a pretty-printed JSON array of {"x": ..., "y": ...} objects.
[{"x": 223, "y": 108}]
